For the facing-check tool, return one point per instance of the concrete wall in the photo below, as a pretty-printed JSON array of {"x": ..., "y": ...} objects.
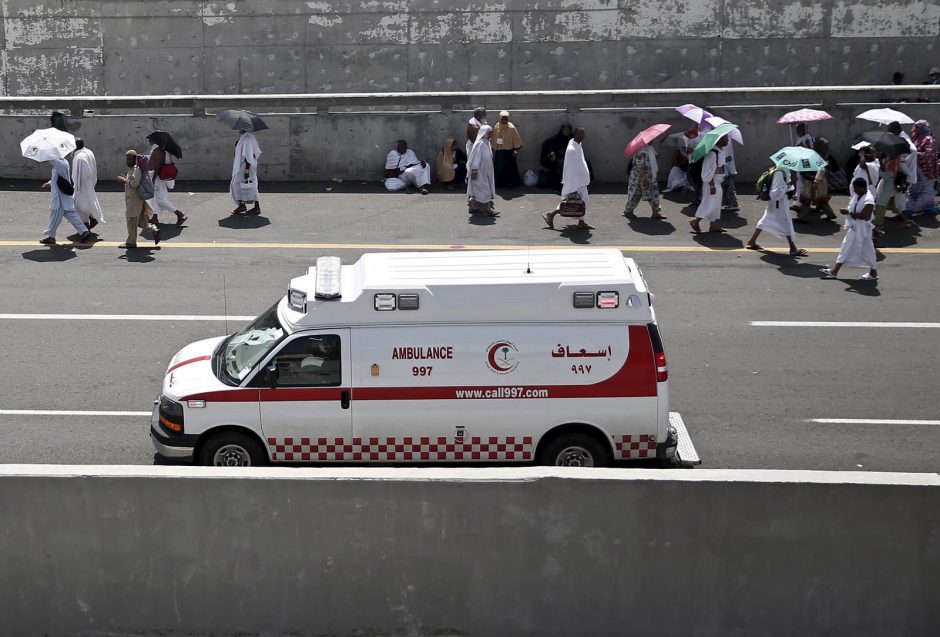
[
  {"x": 353, "y": 145},
  {"x": 131, "y": 47},
  {"x": 532, "y": 551}
]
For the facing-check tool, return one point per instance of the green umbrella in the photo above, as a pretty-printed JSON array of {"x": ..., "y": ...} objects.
[
  {"x": 709, "y": 140},
  {"x": 798, "y": 158}
]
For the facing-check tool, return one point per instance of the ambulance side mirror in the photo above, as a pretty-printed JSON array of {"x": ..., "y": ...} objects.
[{"x": 270, "y": 376}]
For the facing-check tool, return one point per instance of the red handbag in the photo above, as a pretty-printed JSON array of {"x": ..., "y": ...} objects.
[
  {"x": 168, "y": 172},
  {"x": 572, "y": 206}
]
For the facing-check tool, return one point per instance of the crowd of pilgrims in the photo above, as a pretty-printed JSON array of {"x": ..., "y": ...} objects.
[{"x": 875, "y": 182}]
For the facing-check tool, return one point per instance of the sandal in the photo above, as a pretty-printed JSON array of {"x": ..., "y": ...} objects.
[
  {"x": 753, "y": 246},
  {"x": 695, "y": 227},
  {"x": 800, "y": 253}
]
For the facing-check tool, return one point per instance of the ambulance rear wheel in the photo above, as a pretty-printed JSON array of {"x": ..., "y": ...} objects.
[
  {"x": 574, "y": 450},
  {"x": 232, "y": 449}
]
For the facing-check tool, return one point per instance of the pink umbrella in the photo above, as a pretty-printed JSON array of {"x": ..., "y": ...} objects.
[
  {"x": 695, "y": 113},
  {"x": 804, "y": 115},
  {"x": 644, "y": 139}
]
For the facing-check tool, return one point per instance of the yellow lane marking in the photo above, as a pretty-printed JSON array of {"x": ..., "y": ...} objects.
[{"x": 438, "y": 246}]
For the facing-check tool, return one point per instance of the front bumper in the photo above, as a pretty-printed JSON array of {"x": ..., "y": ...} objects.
[{"x": 169, "y": 445}]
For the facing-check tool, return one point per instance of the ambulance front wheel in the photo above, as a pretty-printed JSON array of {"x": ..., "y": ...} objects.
[
  {"x": 232, "y": 449},
  {"x": 574, "y": 450}
]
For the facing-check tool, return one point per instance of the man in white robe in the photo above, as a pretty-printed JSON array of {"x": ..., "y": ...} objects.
[
  {"x": 713, "y": 173},
  {"x": 84, "y": 178},
  {"x": 777, "y": 219},
  {"x": 575, "y": 178},
  {"x": 858, "y": 248},
  {"x": 245, "y": 171},
  {"x": 908, "y": 162},
  {"x": 481, "y": 178},
  {"x": 403, "y": 164},
  {"x": 474, "y": 125},
  {"x": 62, "y": 205}
]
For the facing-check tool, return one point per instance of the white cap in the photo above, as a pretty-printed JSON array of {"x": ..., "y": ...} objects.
[{"x": 861, "y": 145}]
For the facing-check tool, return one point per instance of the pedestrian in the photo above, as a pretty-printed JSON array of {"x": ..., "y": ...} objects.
[
  {"x": 451, "y": 164},
  {"x": 642, "y": 183},
  {"x": 85, "y": 178},
  {"x": 868, "y": 167},
  {"x": 136, "y": 209},
  {"x": 729, "y": 194},
  {"x": 776, "y": 219},
  {"x": 803, "y": 137},
  {"x": 886, "y": 194},
  {"x": 62, "y": 204},
  {"x": 922, "y": 196},
  {"x": 816, "y": 189},
  {"x": 506, "y": 143},
  {"x": 858, "y": 248},
  {"x": 713, "y": 172},
  {"x": 908, "y": 165},
  {"x": 481, "y": 180},
  {"x": 474, "y": 125},
  {"x": 933, "y": 76},
  {"x": 575, "y": 179},
  {"x": 244, "y": 185},
  {"x": 163, "y": 172},
  {"x": 404, "y": 169}
]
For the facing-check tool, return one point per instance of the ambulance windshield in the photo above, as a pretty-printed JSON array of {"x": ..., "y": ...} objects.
[{"x": 245, "y": 348}]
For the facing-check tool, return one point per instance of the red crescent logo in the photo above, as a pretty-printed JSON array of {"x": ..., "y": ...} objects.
[{"x": 496, "y": 365}]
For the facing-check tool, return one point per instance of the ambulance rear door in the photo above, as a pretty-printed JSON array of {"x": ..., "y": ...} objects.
[{"x": 305, "y": 392}]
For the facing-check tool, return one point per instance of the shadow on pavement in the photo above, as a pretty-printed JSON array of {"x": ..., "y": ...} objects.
[
  {"x": 479, "y": 219},
  {"x": 574, "y": 234},
  {"x": 244, "y": 222},
  {"x": 732, "y": 220},
  {"x": 817, "y": 228},
  {"x": 161, "y": 461},
  {"x": 896, "y": 237},
  {"x": 169, "y": 231},
  {"x": 717, "y": 240},
  {"x": 51, "y": 254},
  {"x": 510, "y": 194},
  {"x": 791, "y": 266},
  {"x": 140, "y": 254},
  {"x": 864, "y": 288},
  {"x": 648, "y": 226}
]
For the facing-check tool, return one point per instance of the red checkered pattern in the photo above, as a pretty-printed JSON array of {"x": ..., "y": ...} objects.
[
  {"x": 409, "y": 449},
  {"x": 635, "y": 446}
]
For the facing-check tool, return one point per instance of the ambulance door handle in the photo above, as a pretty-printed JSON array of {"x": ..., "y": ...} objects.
[{"x": 344, "y": 399}]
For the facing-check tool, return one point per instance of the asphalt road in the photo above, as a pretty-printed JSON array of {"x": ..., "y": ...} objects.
[{"x": 747, "y": 393}]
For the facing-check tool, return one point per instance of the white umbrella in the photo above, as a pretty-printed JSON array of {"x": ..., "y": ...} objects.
[
  {"x": 885, "y": 116},
  {"x": 714, "y": 121},
  {"x": 47, "y": 143}
]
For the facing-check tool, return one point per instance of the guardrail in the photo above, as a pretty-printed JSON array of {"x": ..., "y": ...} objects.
[{"x": 570, "y": 101}]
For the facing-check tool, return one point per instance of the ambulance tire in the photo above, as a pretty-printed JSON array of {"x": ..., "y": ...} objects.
[
  {"x": 574, "y": 450},
  {"x": 232, "y": 449}
]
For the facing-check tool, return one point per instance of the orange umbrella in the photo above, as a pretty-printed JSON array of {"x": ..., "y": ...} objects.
[{"x": 644, "y": 139}]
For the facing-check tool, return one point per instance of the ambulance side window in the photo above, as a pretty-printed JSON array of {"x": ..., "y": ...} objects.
[{"x": 310, "y": 361}]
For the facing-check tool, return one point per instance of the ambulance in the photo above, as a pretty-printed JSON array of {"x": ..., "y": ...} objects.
[{"x": 505, "y": 356}]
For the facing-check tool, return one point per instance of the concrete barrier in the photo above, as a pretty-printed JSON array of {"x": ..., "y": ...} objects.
[
  {"x": 528, "y": 551},
  {"x": 348, "y": 136}
]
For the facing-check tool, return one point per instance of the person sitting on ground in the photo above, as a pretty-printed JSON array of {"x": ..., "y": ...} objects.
[
  {"x": 552, "y": 157},
  {"x": 451, "y": 165},
  {"x": 404, "y": 169}
]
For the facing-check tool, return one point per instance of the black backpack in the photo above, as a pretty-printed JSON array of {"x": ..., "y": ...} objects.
[{"x": 64, "y": 185}]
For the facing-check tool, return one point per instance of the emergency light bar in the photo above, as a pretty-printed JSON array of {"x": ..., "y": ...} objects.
[{"x": 328, "y": 285}]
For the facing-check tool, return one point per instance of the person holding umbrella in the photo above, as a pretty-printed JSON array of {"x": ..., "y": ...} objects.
[
  {"x": 163, "y": 173},
  {"x": 642, "y": 182},
  {"x": 710, "y": 149},
  {"x": 54, "y": 145},
  {"x": 244, "y": 185}
]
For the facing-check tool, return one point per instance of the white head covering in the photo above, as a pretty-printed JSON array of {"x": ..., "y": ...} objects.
[{"x": 575, "y": 173}]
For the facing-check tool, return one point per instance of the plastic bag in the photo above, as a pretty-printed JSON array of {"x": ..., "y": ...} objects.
[
  {"x": 394, "y": 184},
  {"x": 530, "y": 178}
]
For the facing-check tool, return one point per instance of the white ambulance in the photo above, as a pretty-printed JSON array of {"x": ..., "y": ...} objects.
[{"x": 504, "y": 356}]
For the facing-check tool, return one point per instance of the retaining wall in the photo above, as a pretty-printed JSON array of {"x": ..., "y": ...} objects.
[
  {"x": 135, "y": 47},
  {"x": 528, "y": 551}
]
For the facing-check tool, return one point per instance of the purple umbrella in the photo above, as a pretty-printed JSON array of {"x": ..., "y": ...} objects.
[{"x": 695, "y": 113}]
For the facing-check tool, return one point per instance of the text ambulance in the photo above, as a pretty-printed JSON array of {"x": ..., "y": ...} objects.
[{"x": 548, "y": 356}]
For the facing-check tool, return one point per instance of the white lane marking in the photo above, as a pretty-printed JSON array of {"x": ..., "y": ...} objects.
[
  {"x": 871, "y": 421},
  {"x": 58, "y": 412},
  {"x": 122, "y": 317},
  {"x": 840, "y": 324}
]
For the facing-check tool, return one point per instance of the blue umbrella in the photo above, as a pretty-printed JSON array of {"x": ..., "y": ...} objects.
[{"x": 799, "y": 159}]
